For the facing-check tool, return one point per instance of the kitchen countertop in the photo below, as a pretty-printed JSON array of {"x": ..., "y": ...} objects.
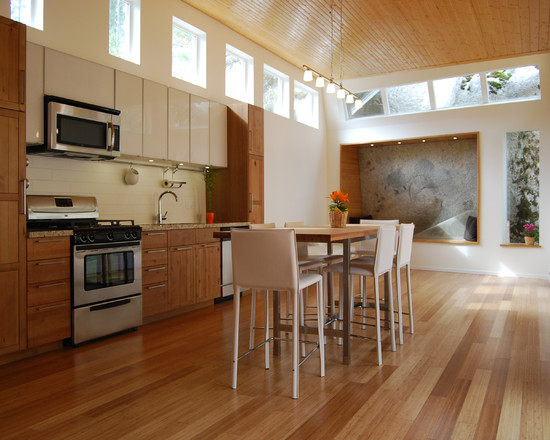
[{"x": 146, "y": 227}]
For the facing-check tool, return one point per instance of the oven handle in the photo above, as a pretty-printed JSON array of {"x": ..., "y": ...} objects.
[
  {"x": 107, "y": 246},
  {"x": 109, "y": 305}
]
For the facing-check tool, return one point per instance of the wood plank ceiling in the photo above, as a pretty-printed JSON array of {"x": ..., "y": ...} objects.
[{"x": 384, "y": 36}]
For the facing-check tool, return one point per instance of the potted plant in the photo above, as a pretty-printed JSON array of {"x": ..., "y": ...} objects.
[
  {"x": 209, "y": 175},
  {"x": 530, "y": 234},
  {"x": 338, "y": 209}
]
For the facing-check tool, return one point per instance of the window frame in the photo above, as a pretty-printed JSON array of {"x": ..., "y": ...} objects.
[
  {"x": 282, "y": 107},
  {"x": 248, "y": 89},
  {"x": 35, "y": 18},
  {"x": 132, "y": 53},
  {"x": 198, "y": 65},
  {"x": 314, "y": 104}
]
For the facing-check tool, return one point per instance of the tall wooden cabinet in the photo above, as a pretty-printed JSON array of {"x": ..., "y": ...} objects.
[
  {"x": 12, "y": 174},
  {"x": 239, "y": 189}
]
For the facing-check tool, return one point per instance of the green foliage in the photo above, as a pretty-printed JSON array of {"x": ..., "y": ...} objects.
[
  {"x": 497, "y": 80},
  {"x": 466, "y": 82},
  {"x": 209, "y": 175}
]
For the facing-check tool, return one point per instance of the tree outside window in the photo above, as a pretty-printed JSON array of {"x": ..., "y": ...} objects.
[{"x": 522, "y": 162}]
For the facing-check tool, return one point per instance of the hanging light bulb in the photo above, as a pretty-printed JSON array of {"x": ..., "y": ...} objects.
[
  {"x": 319, "y": 82},
  {"x": 331, "y": 87},
  {"x": 308, "y": 75},
  {"x": 350, "y": 99},
  {"x": 340, "y": 94},
  {"x": 358, "y": 103}
]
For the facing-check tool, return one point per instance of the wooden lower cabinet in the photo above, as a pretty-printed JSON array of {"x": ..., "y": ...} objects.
[
  {"x": 181, "y": 267},
  {"x": 154, "y": 261},
  {"x": 48, "y": 290},
  {"x": 181, "y": 280}
]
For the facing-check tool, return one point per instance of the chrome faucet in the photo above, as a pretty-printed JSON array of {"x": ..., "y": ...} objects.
[{"x": 161, "y": 216}]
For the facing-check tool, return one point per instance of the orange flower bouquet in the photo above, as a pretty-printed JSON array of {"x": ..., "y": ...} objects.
[
  {"x": 338, "y": 209},
  {"x": 339, "y": 201}
]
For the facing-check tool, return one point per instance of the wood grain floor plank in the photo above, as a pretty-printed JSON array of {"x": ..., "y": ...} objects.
[{"x": 477, "y": 367}]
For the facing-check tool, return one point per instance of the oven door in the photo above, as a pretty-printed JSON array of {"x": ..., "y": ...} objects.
[{"x": 105, "y": 271}]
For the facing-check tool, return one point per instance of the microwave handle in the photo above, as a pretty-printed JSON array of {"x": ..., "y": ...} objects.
[{"x": 111, "y": 145}]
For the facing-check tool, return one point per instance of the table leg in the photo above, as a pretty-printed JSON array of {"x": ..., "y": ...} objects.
[
  {"x": 276, "y": 322},
  {"x": 346, "y": 304}
]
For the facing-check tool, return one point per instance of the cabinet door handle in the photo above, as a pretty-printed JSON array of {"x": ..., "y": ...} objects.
[
  {"x": 55, "y": 306},
  {"x": 49, "y": 240},
  {"x": 251, "y": 202},
  {"x": 155, "y": 251},
  {"x": 49, "y": 263},
  {"x": 209, "y": 245},
  {"x": 25, "y": 184},
  {"x": 150, "y": 234},
  {"x": 188, "y": 248},
  {"x": 156, "y": 286},
  {"x": 44, "y": 286},
  {"x": 156, "y": 269}
]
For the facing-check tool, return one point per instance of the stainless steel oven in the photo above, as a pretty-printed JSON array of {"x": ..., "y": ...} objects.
[
  {"x": 106, "y": 281},
  {"x": 106, "y": 264}
]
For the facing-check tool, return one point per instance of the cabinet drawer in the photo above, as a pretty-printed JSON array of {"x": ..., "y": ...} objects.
[
  {"x": 49, "y": 292},
  {"x": 48, "y": 270},
  {"x": 205, "y": 235},
  {"x": 51, "y": 247},
  {"x": 154, "y": 239},
  {"x": 48, "y": 323},
  {"x": 181, "y": 237},
  {"x": 155, "y": 299},
  {"x": 155, "y": 274},
  {"x": 154, "y": 257}
]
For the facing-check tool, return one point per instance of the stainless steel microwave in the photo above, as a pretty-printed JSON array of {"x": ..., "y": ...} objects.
[{"x": 80, "y": 130}]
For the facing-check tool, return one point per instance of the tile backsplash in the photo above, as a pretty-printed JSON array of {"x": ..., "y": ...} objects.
[{"x": 116, "y": 199}]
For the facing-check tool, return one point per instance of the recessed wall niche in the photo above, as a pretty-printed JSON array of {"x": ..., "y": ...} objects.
[{"x": 432, "y": 182}]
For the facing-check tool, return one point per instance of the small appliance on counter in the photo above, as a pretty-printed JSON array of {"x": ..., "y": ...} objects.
[{"x": 106, "y": 264}]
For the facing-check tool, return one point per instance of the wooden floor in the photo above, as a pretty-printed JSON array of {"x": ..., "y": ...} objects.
[{"x": 477, "y": 367}]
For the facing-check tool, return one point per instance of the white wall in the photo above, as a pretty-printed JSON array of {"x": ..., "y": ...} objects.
[
  {"x": 492, "y": 122},
  {"x": 295, "y": 155}
]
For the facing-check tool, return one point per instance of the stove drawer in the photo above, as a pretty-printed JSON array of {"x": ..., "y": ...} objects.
[{"x": 106, "y": 318}]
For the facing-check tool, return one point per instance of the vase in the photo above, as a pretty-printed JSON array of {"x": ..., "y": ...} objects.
[
  {"x": 338, "y": 219},
  {"x": 209, "y": 217},
  {"x": 529, "y": 241}
]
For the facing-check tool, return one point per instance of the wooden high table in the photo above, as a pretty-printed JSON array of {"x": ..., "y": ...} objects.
[{"x": 326, "y": 234}]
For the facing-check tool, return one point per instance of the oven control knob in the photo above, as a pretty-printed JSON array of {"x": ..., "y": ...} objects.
[
  {"x": 91, "y": 237},
  {"x": 83, "y": 238},
  {"x": 110, "y": 236},
  {"x": 134, "y": 235},
  {"x": 128, "y": 235}
]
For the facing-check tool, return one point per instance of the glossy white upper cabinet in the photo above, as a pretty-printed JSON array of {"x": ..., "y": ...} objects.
[
  {"x": 129, "y": 100},
  {"x": 200, "y": 130},
  {"x": 218, "y": 134},
  {"x": 155, "y": 120},
  {"x": 75, "y": 78},
  {"x": 178, "y": 125},
  {"x": 35, "y": 94}
]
